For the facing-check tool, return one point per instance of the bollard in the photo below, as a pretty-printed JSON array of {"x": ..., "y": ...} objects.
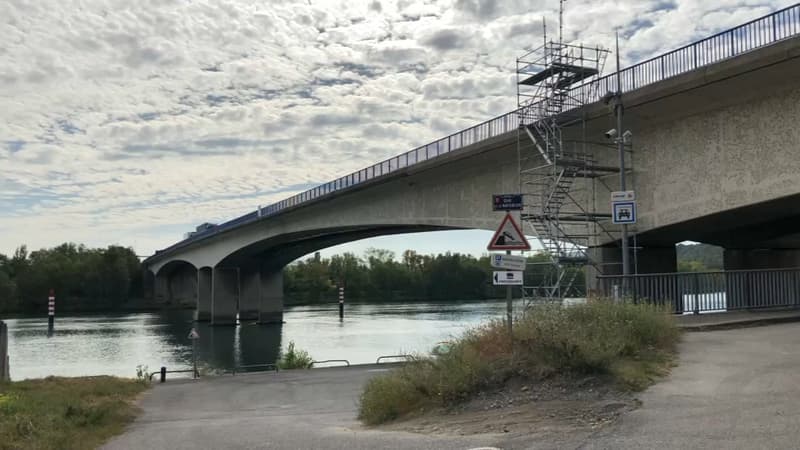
[
  {"x": 163, "y": 374},
  {"x": 4, "y": 359},
  {"x": 51, "y": 310},
  {"x": 341, "y": 302}
]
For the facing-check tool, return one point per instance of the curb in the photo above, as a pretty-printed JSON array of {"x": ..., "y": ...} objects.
[{"x": 743, "y": 323}]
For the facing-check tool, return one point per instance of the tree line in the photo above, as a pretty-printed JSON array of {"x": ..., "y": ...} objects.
[
  {"x": 83, "y": 278},
  {"x": 380, "y": 276}
]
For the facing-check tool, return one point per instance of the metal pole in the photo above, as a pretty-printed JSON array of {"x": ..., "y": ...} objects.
[
  {"x": 341, "y": 302},
  {"x": 618, "y": 109},
  {"x": 194, "y": 358},
  {"x": 509, "y": 306},
  {"x": 51, "y": 310}
]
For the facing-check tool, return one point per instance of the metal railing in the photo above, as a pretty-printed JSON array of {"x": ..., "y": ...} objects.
[
  {"x": 405, "y": 357},
  {"x": 698, "y": 292},
  {"x": 328, "y": 361},
  {"x": 247, "y": 368},
  {"x": 780, "y": 25}
]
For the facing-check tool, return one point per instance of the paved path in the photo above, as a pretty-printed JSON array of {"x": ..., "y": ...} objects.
[
  {"x": 313, "y": 409},
  {"x": 733, "y": 389}
]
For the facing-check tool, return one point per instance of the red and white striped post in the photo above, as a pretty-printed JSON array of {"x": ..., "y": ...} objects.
[
  {"x": 341, "y": 302},
  {"x": 51, "y": 310}
]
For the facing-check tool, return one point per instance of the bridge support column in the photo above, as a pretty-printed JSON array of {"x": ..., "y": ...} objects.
[
  {"x": 745, "y": 290},
  {"x": 161, "y": 289},
  {"x": 646, "y": 260},
  {"x": 183, "y": 286},
  {"x": 204, "y": 294},
  {"x": 271, "y": 308},
  {"x": 250, "y": 298},
  {"x": 224, "y": 292}
]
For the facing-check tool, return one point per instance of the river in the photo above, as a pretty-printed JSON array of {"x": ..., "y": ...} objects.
[{"x": 115, "y": 344}]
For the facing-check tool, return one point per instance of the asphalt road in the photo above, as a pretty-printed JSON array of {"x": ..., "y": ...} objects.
[
  {"x": 313, "y": 409},
  {"x": 733, "y": 389}
]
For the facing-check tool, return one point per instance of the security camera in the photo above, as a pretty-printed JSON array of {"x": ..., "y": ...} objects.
[
  {"x": 611, "y": 134},
  {"x": 627, "y": 135}
]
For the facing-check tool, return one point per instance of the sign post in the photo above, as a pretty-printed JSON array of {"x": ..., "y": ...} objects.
[
  {"x": 508, "y": 237},
  {"x": 194, "y": 336}
]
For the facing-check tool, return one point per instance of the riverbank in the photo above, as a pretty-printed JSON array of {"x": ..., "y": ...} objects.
[
  {"x": 623, "y": 345},
  {"x": 65, "y": 413}
]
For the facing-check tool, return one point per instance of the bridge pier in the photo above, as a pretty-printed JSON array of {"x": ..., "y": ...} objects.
[
  {"x": 224, "y": 292},
  {"x": 161, "y": 288},
  {"x": 646, "y": 259},
  {"x": 271, "y": 306},
  {"x": 182, "y": 285},
  {"x": 250, "y": 298},
  {"x": 204, "y": 294}
]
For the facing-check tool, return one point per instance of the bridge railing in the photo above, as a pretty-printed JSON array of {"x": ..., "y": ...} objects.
[
  {"x": 699, "y": 292},
  {"x": 780, "y": 25}
]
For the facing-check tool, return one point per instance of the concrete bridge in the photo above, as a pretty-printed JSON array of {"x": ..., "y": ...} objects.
[{"x": 714, "y": 160}]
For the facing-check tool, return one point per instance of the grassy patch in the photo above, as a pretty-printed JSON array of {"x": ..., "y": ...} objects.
[
  {"x": 65, "y": 413},
  {"x": 632, "y": 345},
  {"x": 294, "y": 358}
]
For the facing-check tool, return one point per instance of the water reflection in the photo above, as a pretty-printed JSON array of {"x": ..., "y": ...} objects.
[{"x": 116, "y": 344}]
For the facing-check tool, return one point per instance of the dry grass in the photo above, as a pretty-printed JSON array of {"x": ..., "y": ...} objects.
[
  {"x": 630, "y": 344},
  {"x": 65, "y": 413}
]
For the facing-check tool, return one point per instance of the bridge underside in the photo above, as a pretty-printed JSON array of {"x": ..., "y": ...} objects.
[{"x": 248, "y": 284}]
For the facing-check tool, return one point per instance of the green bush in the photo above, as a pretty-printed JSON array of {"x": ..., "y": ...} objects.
[
  {"x": 630, "y": 343},
  {"x": 295, "y": 359}
]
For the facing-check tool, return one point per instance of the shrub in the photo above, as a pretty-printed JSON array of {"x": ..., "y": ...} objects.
[
  {"x": 630, "y": 343},
  {"x": 295, "y": 359}
]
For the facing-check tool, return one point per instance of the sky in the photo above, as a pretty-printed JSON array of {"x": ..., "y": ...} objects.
[{"x": 130, "y": 123}]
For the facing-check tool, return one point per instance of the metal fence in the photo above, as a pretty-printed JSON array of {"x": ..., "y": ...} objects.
[
  {"x": 758, "y": 33},
  {"x": 699, "y": 292}
]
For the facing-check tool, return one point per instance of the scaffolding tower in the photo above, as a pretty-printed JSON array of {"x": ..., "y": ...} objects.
[{"x": 557, "y": 169}]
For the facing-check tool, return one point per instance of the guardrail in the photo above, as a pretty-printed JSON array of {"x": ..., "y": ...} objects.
[
  {"x": 164, "y": 373},
  {"x": 700, "y": 292},
  {"x": 406, "y": 357},
  {"x": 752, "y": 35},
  {"x": 346, "y": 362},
  {"x": 254, "y": 366}
]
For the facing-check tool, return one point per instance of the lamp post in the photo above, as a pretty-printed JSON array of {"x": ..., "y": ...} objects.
[{"x": 618, "y": 111}]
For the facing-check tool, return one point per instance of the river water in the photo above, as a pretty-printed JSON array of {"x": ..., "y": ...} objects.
[{"x": 117, "y": 344}]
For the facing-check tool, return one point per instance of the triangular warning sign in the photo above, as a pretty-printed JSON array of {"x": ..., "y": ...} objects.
[{"x": 508, "y": 236}]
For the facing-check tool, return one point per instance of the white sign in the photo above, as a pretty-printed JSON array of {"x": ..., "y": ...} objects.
[
  {"x": 510, "y": 262},
  {"x": 507, "y": 278},
  {"x": 508, "y": 236},
  {"x": 623, "y": 196},
  {"x": 623, "y": 212},
  {"x": 193, "y": 334}
]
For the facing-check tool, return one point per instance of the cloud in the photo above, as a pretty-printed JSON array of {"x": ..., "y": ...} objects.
[{"x": 131, "y": 122}]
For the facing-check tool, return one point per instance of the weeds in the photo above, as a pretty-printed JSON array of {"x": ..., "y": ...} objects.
[
  {"x": 631, "y": 344},
  {"x": 142, "y": 375},
  {"x": 65, "y": 413},
  {"x": 295, "y": 359}
]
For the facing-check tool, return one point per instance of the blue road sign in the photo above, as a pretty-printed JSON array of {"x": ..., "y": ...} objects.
[
  {"x": 507, "y": 202},
  {"x": 624, "y": 212}
]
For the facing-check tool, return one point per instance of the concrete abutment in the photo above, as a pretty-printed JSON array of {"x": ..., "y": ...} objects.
[{"x": 204, "y": 294}]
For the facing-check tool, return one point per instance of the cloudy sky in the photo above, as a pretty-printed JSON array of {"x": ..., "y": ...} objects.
[{"x": 129, "y": 122}]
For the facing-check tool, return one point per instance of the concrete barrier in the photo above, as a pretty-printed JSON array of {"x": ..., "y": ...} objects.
[{"x": 4, "y": 363}]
